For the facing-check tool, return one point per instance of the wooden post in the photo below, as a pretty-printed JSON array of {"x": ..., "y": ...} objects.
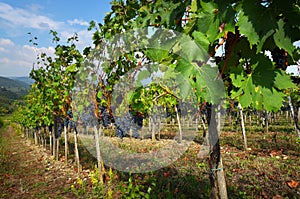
[
  {"x": 294, "y": 117},
  {"x": 57, "y": 148},
  {"x": 99, "y": 156},
  {"x": 153, "y": 128},
  {"x": 243, "y": 126},
  {"x": 50, "y": 141},
  {"x": 179, "y": 125},
  {"x": 35, "y": 137},
  {"x": 76, "y": 152},
  {"x": 66, "y": 144}
]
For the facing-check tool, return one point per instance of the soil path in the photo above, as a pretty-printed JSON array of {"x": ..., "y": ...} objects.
[{"x": 28, "y": 171}]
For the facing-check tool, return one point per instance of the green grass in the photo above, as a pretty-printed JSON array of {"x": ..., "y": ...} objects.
[{"x": 3, "y": 153}]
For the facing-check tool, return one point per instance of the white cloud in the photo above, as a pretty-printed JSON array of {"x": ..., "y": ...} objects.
[
  {"x": 297, "y": 43},
  {"x": 84, "y": 38},
  {"x": 17, "y": 60},
  {"x": 78, "y": 22},
  {"x": 293, "y": 70},
  {"x": 25, "y": 18},
  {"x": 34, "y": 7},
  {"x": 6, "y": 42}
]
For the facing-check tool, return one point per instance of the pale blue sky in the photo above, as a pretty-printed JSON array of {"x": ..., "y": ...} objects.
[{"x": 17, "y": 18}]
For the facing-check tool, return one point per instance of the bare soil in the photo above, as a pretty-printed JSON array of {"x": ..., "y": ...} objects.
[{"x": 29, "y": 171}]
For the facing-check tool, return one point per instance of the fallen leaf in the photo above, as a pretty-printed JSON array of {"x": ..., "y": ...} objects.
[
  {"x": 6, "y": 175},
  {"x": 167, "y": 174},
  {"x": 277, "y": 197},
  {"x": 272, "y": 177},
  {"x": 285, "y": 157},
  {"x": 264, "y": 194},
  {"x": 261, "y": 173},
  {"x": 107, "y": 178},
  {"x": 276, "y": 153},
  {"x": 237, "y": 170},
  {"x": 292, "y": 184}
]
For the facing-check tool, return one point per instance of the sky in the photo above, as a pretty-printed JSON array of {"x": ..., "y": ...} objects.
[{"x": 18, "y": 17}]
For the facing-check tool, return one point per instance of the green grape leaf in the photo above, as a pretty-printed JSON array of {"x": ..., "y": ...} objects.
[
  {"x": 237, "y": 77},
  {"x": 194, "y": 6},
  {"x": 209, "y": 20},
  {"x": 283, "y": 81},
  {"x": 201, "y": 39},
  {"x": 204, "y": 79},
  {"x": 246, "y": 28},
  {"x": 245, "y": 99},
  {"x": 156, "y": 55},
  {"x": 272, "y": 99},
  {"x": 184, "y": 68},
  {"x": 281, "y": 40},
  {"x": 263, "y": 40},
  {"x": 255, "y": 22},
  {"x": 261, "y": 88},
  {"x": 184, "y": 86},
  {"x": 191, "y": 51}
]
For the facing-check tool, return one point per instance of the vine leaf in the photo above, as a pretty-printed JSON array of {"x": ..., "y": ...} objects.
[
  {"x": 281, "y": 40},
  {"x": 262, "y": 88},
  {"x": 246, "y": 27},
  {"x": 156, "y": 55},
  {"x": 203, "y": 79},
  {"x": 201, "y": 39},
  {"x": 255, "y": 22},
  {"x": 191, "y": 51},
  {"x": 209, "y": 20}
]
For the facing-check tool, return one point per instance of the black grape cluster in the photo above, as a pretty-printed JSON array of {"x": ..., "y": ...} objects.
[
  {"x": 37, "y": 127},
  {"x": 279, "y": 58},
  {"x": 106, "y": 117},
  {"x": 68, "y": 120},
  {"x": 138, "y": 119},
  {"x": 128, "y": 121},
  {"x": 58, "y": 126},
  {"x": 88, "y": 118},
  {"x": 50, "y": 128}
]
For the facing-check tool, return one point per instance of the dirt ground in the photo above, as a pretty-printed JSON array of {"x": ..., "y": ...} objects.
[{"x": 28, "y": 171}]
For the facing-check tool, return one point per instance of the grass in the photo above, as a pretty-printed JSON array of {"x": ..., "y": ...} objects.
[{"x": 3, "y": 153}]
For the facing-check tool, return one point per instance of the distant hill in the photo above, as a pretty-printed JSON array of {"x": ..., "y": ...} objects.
[
  {"x": 24, "y": 79},
  {"x": 11, "y": 90},
  {"x": 4, "y": 93},
  {"x": 11, "y": 83}
]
